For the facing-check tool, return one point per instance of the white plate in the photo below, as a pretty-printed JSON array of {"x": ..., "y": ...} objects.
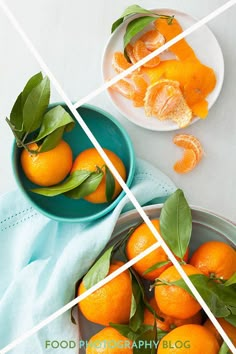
[{"x": 203, "y": 43}]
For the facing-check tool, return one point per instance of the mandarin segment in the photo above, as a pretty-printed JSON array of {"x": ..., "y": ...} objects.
[
  {"x": 164, "y": 100},
  {"x": 130, "y": 53},
  {"x": 140, "y": 51},
  {"x": 187, "y": 163},
  {"x": 119, "y": 62},
  {"x": 153, "y": 40},
  {"x": 125, "y": 88},
  {"x": 188, "y": 141},
  {"x": 140, "y": 86},
  {"x": 196, "y": 81},
  {"x": 111, "y": 302}
]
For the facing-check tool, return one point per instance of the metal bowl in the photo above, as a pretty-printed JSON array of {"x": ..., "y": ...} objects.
[{"x": 206, "y": 226}]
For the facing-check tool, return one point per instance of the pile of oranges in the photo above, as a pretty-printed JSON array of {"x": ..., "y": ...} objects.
[
  {"x": 51, "y": 167},
  {"x": 173, "y": 89},
  {"x": 178, "y": 314}
]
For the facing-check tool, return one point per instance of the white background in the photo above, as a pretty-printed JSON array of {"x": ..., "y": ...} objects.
[{"x": 70, "y": 36}]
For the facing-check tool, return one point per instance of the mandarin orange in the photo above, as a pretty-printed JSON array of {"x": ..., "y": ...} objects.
[
  {"x": 173, "y": 300},
  {"x": 89, "y": 160},
  {"x": 111, "y": 302},
  {"x": 47, "y": 168}
]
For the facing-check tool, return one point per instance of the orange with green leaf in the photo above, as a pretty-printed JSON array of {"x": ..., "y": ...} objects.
[
  {"x": 46, "y": 159},
  {"x": 196, "y": 80}
]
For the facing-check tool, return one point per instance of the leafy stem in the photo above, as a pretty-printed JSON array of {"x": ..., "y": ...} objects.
[{"x": 138, "y": 24}]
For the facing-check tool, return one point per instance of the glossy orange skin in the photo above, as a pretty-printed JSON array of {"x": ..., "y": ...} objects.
[
  {"x": 111, "y": 302},
  {"x": 189, "y": 339},
  {"x": 139, "y": 241},
  {"x": 173, "y": 300},
  {"x": 89, "y": 160},
  {"x": 118, "y": 343},
  {"x": 215, "y": 258},
  {"x": 47, "y": 168},
  {"x": 229, "y": 329},
  {"x": 169, "y": 322}
]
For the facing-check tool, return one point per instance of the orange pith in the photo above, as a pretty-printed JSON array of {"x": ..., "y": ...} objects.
[
  {"x": 188, "y": 141},
  {"x": 109, "y": 341},
  {"x": 189, "y": 339},
  {"x": 140, "y": 51},
  {"x": 152, "y": 39},
  {"x": 169, "y": 322},
  {"x": 139, "y": 241},
  {"x": 47, "y": 168},
  {"x": 165, "y": 100},
  {"x": 187, "y": 163},
  {"x": 89, "y": 160},
  {"x": 173, "y": 300},
  {"x": 215, "y": 258},
  {"x": 111, "y": 302}
]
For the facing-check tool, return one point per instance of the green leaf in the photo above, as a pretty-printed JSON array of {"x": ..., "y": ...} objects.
[
  {"x": 110, "y": 184},
  {"x": 135, "y": 26},
  {"x": 35, "y": 106},
  {"x": 220, "y": 299},
  {"x": 127, "y": 332},
  {"x": 31, "y": 84},
  {"x": 56, "y": 118},
  {"x": 99, "y": 270},
  {"x": 73, "y": 181},
  {"x": 124, "y": 330},
  {"x": 52, "y": 140},
  {"x": 17, "y": 134},
  {"x": 89, "y": 186},
  {"x": 130, "y": 10},
  {"x": 176, "y": 223},
  {"x": 16, "y": 117},
  {"x": 224, "y": 349},
  {"x": 149, "y": 341},
  {"x": 137, "y": 306},
  {"x": 156, "y": 266},
  {"x": 231, "y": 319},
  {"x": 143, "y": 296},
  {"x": 231, "y": 280}
]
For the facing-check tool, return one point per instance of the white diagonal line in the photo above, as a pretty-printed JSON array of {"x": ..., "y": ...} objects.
[
  {"x": 158, "y": 51},
  {"x": 119, "y": 179}
]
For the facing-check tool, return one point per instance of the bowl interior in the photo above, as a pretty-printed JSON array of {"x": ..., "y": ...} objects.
[
  {"x": 206, "y": 227},
  {"x": 110, "y": 135}
]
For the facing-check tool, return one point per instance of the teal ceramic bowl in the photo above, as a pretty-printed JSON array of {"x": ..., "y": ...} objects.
[{"x": 111, "y": 135}]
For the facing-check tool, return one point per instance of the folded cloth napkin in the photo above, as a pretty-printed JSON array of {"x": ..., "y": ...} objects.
[{"x": 41, "y": 260}]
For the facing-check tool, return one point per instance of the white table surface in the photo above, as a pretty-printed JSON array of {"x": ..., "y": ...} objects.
[{"x": 70, "y": 36}]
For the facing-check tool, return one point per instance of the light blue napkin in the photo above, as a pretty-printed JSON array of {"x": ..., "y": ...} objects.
[{"x": 41, "y": 260}]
